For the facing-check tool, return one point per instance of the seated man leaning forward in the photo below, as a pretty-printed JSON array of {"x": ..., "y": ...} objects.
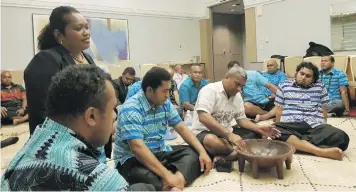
[
  {"x": 218, "y": 105},
  {"x": 300, "y": 107},
  {"x": 62, "y": 153},
  {"x": 336, "y": 83},
  {"x": 189, "y": 90},
  {"x": 257, "y": 104},
  {"x": 13, "y": 101},
  {"x": 123, "y": 82},
  {"x": 273, "y": 75},
  {"x": 141, "y": 154}
]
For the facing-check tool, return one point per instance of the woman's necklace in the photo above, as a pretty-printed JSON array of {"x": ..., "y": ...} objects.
[{"x": 77, "y": 59}]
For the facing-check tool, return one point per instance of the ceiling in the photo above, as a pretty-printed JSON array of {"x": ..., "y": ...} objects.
[{"x": 229, "y": 8}]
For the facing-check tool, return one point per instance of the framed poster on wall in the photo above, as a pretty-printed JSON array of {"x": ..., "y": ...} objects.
[{"x": 109, "y": 38}]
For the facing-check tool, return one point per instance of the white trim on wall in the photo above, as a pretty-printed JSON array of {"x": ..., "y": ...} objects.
[
  {"x": 255, "y": 3},
  {"x": 43, "y": 4}
]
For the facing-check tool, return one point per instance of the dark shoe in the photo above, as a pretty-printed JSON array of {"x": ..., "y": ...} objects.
[
  {"x": 9, "y": 141},
  {"x": 222, "y": 165}
]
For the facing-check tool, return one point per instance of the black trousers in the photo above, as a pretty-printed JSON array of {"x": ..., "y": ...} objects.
[
  {"x": 242, "y": 132},
  {"x": 141, "y": 187},
  {"x": 183, "y": 159},
  {"x": 322, "y": 135},
  {"x": 11, "y": 113}
]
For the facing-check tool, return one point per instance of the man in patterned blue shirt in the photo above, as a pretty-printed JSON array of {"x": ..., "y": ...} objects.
[
  {"x": 301, "y": 115},
  {"x": 140, "y": 152},
  {"x": 63, "y": 154},
  {"x": 336, "y": 83},
  {"x": 273, "y": 75}
]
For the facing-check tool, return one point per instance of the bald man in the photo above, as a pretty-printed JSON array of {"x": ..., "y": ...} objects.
[
  {"x": 13, "y": 101},
  {"x": 276, "y": 77},
  {"x": 257, "y": 104},
  {"x": 179, "y": 77},
  {"x": 273, "y": 75}
]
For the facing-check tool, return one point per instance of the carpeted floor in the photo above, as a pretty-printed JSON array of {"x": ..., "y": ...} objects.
[{"x": 308, "y": 173}]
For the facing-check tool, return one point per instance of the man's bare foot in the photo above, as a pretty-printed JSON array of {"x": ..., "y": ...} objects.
[
  {"x": 16, "y": 121},
  {"x": 167, "y": 188},
  {"x": 332, "y": 153},
  {"x": 217, "y": 158},
  {"x": 231, "y": 157},
  {"x": 258, "y": 118}
]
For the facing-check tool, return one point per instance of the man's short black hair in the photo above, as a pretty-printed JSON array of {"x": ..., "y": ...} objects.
[
  {"x": 232, "y": 64},
  {"x": 154, "y": 78},
  {"x": 310, "y": 66},
  {"x": 129, "y": 70},
  {"x": 75, "y": 89},
  {"x": 332, "y": 59}
]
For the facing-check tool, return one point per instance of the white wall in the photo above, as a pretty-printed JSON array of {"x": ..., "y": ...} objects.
[
  {"x": 290, "y": 25},
  {"x": 151, "y": 39},
  {"x": 178, "y": 8},
  {"x": 343, "y": 6}
]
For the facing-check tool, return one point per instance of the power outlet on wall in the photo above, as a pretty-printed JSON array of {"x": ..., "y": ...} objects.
[{"x": 180, "y": 47}]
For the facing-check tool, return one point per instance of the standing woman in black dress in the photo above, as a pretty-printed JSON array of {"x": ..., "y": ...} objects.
[{"x": 61, "y": 44}]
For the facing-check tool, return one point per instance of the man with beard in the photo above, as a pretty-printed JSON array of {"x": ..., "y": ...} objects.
[
  {"x": 336, "y": 83},
  {"x": 300, "y": 107}
]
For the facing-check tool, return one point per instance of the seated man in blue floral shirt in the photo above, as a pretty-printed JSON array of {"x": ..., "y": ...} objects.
[{"x": 62, "y": 154}]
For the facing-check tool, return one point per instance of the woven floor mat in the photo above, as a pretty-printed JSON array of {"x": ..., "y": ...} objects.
[{"x": 308, "y": 173}]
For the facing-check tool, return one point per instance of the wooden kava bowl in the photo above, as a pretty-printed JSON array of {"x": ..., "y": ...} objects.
[{"x": 263, "y": 153}]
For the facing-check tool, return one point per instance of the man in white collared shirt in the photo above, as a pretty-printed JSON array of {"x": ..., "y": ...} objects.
[
  {"x": 179, "y": 75},
  {"x": 218, "y": 108}
]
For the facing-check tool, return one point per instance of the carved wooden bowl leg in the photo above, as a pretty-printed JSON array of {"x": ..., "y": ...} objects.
[
  {"x": 279, "y": 168},
  {"x": 289, "y": 163},
  {"x": 254, "y": 165},
  {"x": 241, "y": 161}
]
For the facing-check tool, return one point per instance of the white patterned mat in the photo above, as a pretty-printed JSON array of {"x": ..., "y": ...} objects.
[{"x": 308, "y": 173}]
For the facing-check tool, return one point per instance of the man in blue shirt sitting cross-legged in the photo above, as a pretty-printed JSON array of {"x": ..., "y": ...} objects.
[{"x": 141, "y": 154}]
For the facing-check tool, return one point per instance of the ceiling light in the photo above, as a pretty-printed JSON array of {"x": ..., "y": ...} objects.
[
  {"x": 232, "y": 9},
  {"x": 234, "y": 5}
]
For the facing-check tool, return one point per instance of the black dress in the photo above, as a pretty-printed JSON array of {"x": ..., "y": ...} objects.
[{"x": 38, "y": 75}]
